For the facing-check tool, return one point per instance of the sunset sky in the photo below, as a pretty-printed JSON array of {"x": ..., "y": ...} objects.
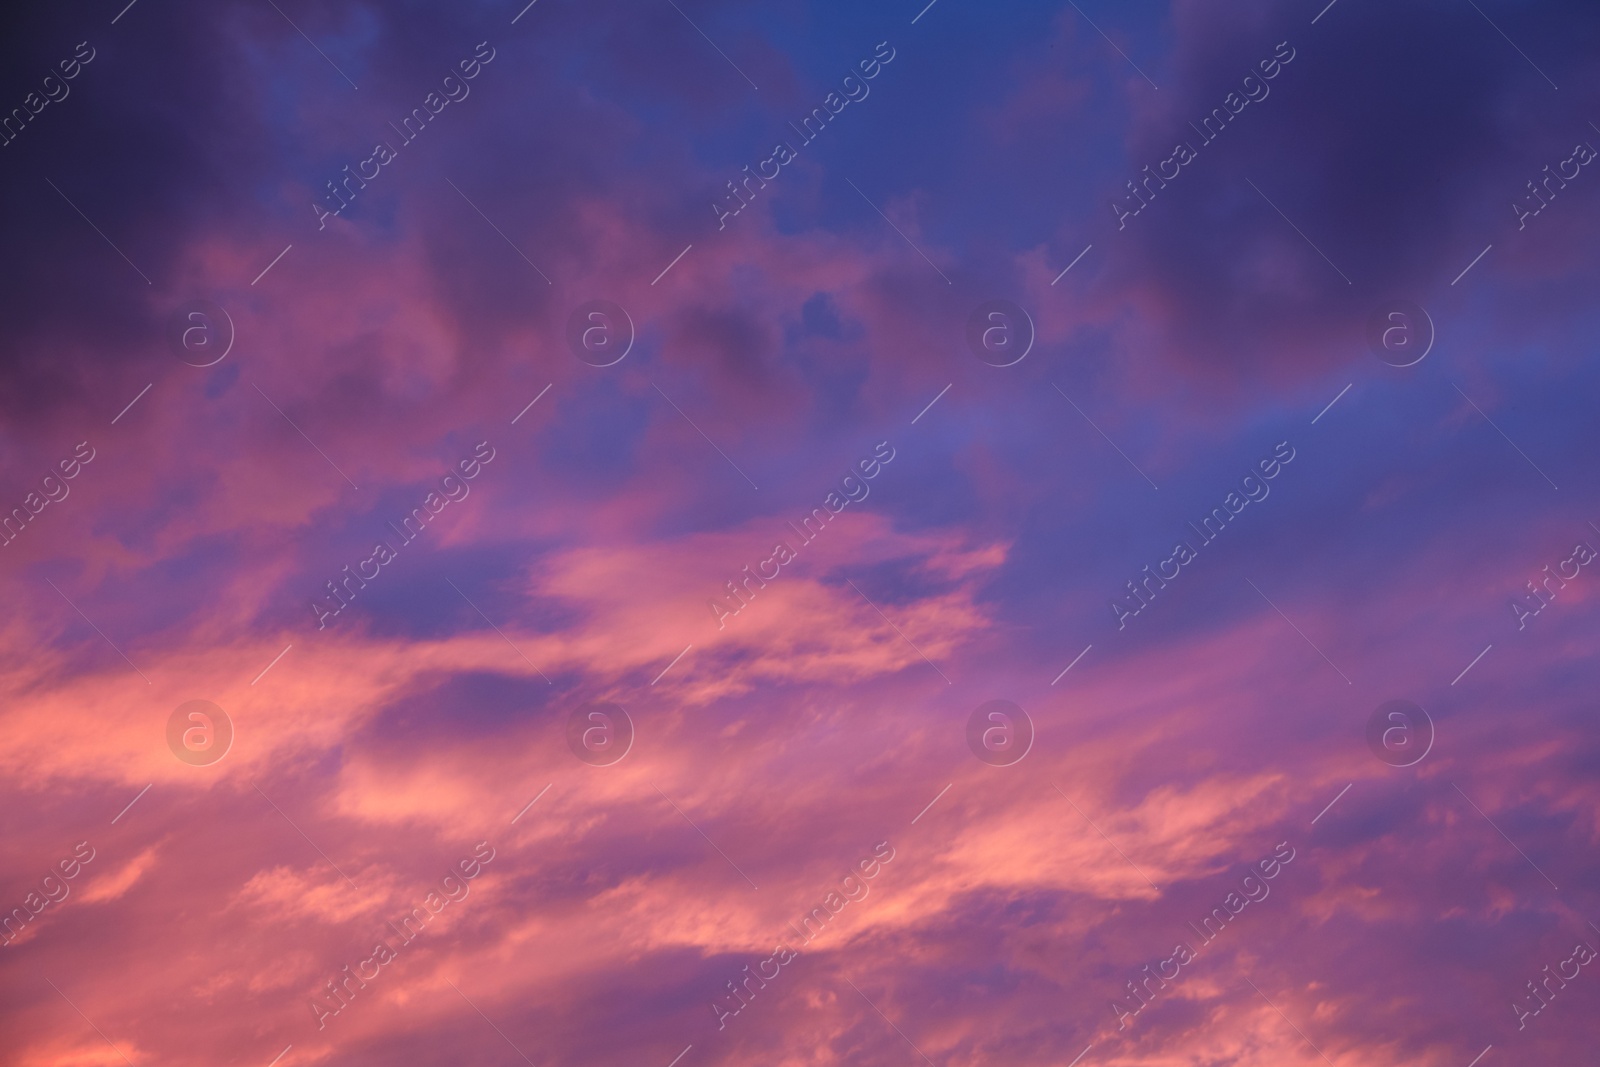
[{"x": 595, "y": 465}]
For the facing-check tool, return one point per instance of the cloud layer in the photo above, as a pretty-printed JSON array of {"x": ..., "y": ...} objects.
[{"x": 1420, "y": 546}]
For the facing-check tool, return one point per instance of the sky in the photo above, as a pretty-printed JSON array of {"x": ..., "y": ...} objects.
[{"x": 685, "y": 533}]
